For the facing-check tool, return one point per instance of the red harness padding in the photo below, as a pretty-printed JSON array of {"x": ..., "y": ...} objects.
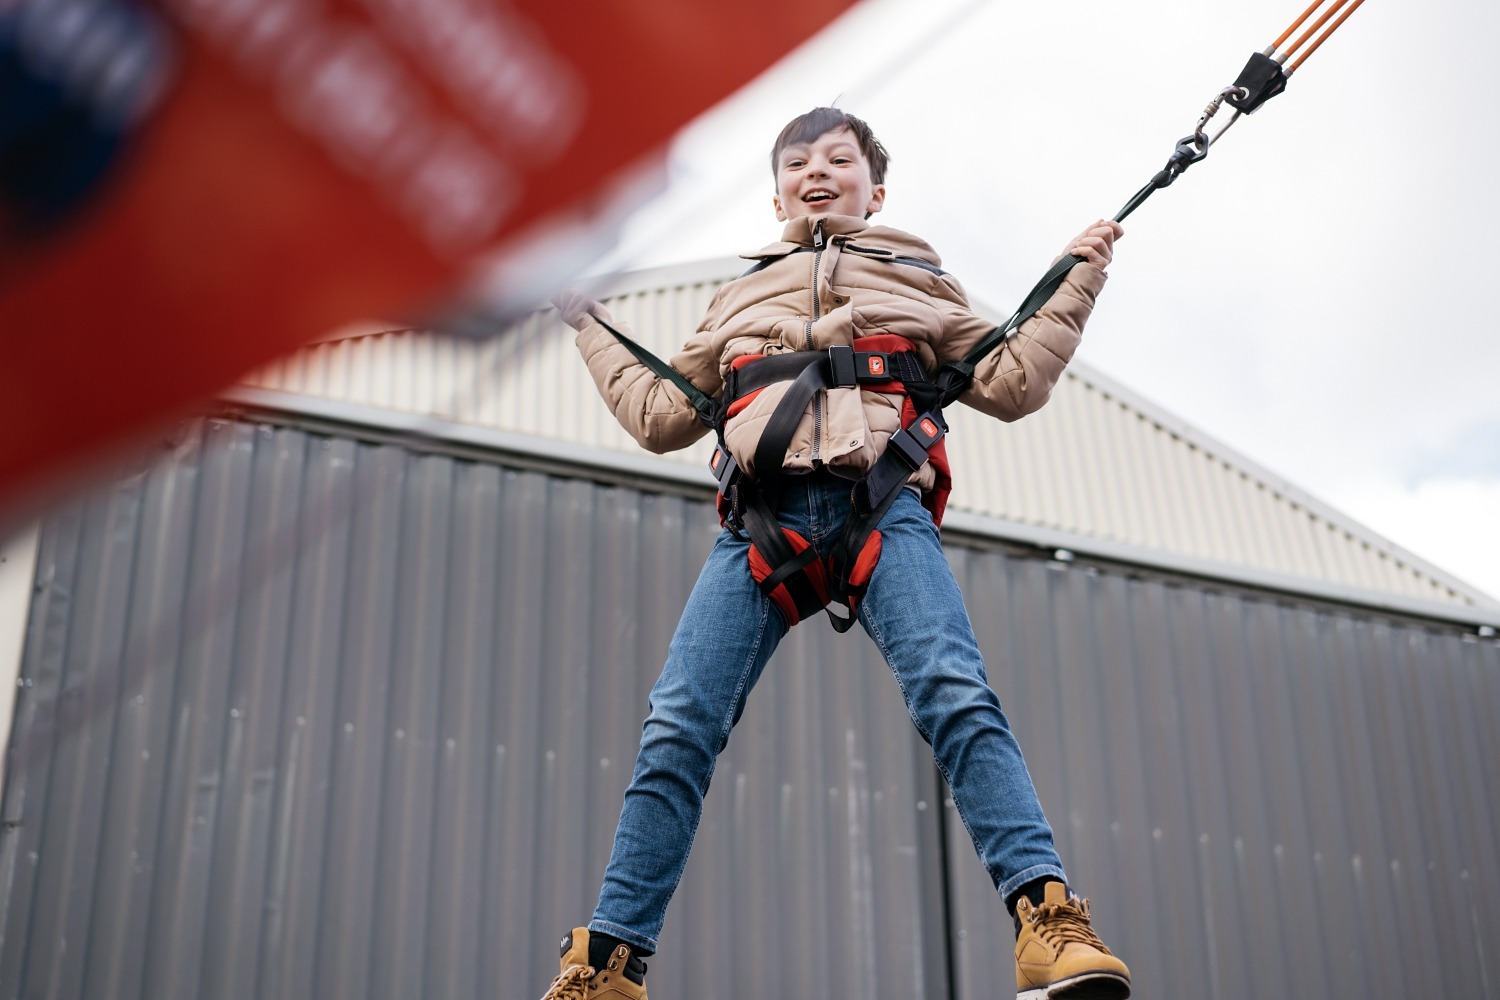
[
  {"x": 792, "y": 575},
  {"x": 803, "y": 590}
]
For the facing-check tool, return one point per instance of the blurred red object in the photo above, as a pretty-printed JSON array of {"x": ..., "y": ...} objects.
[{"x": 260, "y": 172}]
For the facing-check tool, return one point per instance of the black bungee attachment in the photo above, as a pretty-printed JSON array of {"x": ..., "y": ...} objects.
[
  {"x": 1265, "y": 76},
  {"x": 1260, "y": 80}
]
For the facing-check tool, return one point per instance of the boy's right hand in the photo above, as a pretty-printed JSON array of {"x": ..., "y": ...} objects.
[
  {"x": 1096, "y": 244},
  {"x": 575, "y": 308}
]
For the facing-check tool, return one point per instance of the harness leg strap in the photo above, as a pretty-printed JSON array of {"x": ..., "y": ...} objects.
[{"x": 794, "y": 580}]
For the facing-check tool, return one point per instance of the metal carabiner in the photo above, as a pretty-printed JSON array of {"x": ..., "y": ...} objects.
[{"x": 1192, "y": 148}]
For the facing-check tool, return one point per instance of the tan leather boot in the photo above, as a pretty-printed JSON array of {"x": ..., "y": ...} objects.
[
  {"x": 1058, "y": 955},
  {"x": 580, "y": 981}
]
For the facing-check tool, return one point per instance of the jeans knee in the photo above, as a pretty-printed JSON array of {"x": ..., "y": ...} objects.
[
  {"x": 672, "y": 742},
  {"x": 955, "y": 707}
]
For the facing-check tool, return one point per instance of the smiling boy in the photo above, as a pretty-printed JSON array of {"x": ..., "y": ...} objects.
[
  {"x": 835, "y": 286},
  {"x": 830, "y": 175}
]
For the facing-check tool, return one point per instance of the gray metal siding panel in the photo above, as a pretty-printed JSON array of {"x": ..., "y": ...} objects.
[
  {"x": 309, "y": 716},
  {"x": 262, "y": 599},
  {"x": 1301, "y": 792}
]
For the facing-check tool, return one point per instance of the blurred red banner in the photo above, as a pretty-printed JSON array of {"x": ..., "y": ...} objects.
[{"x": 277, "y": 168}]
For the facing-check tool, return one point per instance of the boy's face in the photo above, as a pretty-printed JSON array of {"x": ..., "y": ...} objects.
[{"x": 828, "y": 176}]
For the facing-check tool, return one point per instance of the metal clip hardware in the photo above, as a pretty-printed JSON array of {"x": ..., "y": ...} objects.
[{"x": 841, "y": 367}]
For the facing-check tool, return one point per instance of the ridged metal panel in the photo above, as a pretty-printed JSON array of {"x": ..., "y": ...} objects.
[
  {"x": 1096, "y": 461},
  {"x": 1263, "y": 799},
  {"x": 17, "y": 577},
  {"x": 306, "y": 716}
]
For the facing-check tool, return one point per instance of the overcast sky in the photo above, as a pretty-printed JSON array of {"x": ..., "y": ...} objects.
[{"x": 1316, "y": 294}]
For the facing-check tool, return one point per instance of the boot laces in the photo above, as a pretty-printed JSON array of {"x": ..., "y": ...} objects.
[
  {"x": 1061, "y": 923},
  {"x": 571, "y": 984}
]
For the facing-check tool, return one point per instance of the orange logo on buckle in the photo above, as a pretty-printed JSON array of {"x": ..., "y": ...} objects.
[
  {"x": 928, "y": 427},
  {"x": 877, "y": 366}
]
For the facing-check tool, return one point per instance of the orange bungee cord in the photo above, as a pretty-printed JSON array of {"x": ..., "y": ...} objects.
[{"x": 1263, "y": 77}]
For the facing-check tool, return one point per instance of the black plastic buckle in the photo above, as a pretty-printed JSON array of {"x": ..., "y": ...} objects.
[
  {"x": 841, "y": 366},
  {"x": 725, "y": 469},
  {"x": 914, "y": 442}
]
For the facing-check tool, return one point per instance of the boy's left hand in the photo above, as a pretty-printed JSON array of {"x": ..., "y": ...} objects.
[
  {"x": 1096, "y": 244},
  {"x": 577, "y": 308}
]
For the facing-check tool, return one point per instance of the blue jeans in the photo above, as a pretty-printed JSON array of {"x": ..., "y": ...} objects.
[{"x": 727, "y": 634}]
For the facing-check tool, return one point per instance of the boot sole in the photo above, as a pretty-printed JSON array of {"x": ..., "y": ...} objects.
[{"x": 1085, "y": 986}]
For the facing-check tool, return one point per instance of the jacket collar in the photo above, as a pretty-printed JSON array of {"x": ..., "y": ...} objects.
[
  {"x": 798, "y": 235},
  {"x": 800, "y": 230}
]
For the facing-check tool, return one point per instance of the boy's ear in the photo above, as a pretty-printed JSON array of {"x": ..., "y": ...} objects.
[
  {"x": 780, "y": 212},
  {"x": 877, "y": 200}
]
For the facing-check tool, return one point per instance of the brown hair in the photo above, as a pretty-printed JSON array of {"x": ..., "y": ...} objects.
[{"x": 818, "y": 121}]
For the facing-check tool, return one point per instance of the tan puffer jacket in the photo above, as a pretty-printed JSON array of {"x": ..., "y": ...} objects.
[{"x": 824, "y": 285}]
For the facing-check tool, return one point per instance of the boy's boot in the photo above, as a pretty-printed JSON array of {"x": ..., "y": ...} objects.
[
  {"x": 621, "y": 976},
  {"x": 1058, "y": 955}
]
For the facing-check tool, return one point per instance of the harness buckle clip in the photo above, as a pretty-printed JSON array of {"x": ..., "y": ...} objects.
[
  {"x": 841, "y": 367},
  {"x": 914, "y": 442},
  {"x": 725, "y": 469},
  {"x": 928, "y": 429}
]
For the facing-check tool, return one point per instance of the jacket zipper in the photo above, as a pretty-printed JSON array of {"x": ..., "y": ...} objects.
[{"x": 817, "y": 440}]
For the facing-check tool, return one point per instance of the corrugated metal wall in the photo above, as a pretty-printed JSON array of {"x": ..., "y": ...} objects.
[{"x": 303, "y": 716}]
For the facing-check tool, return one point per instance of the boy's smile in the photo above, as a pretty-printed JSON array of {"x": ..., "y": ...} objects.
[{"x": 828, "y": 176}]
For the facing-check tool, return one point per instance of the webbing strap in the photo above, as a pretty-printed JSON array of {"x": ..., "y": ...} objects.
[
  {"x": 954, "y": 376},
  {"x": 764, "y": 371},
  {"x": 770, "y": 450},
  {"x": 700, "y": 400},
  {"x": 843, "y": 366},
  {"x": 904, "y": 454}
]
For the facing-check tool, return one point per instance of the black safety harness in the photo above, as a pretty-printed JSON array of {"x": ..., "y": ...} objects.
[{"x": 785, "y": 565}]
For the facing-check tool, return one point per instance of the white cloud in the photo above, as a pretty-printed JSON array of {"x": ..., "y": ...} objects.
[{"x": 1450, "y": 522}]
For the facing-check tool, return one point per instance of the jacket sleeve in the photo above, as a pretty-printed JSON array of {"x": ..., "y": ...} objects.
[
  {"x": 1018, "y": 377},
  {"x": 653, "y": 411}
]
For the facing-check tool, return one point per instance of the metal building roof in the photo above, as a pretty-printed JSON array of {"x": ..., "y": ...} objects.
[{"x": 1098, "y": 469}]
